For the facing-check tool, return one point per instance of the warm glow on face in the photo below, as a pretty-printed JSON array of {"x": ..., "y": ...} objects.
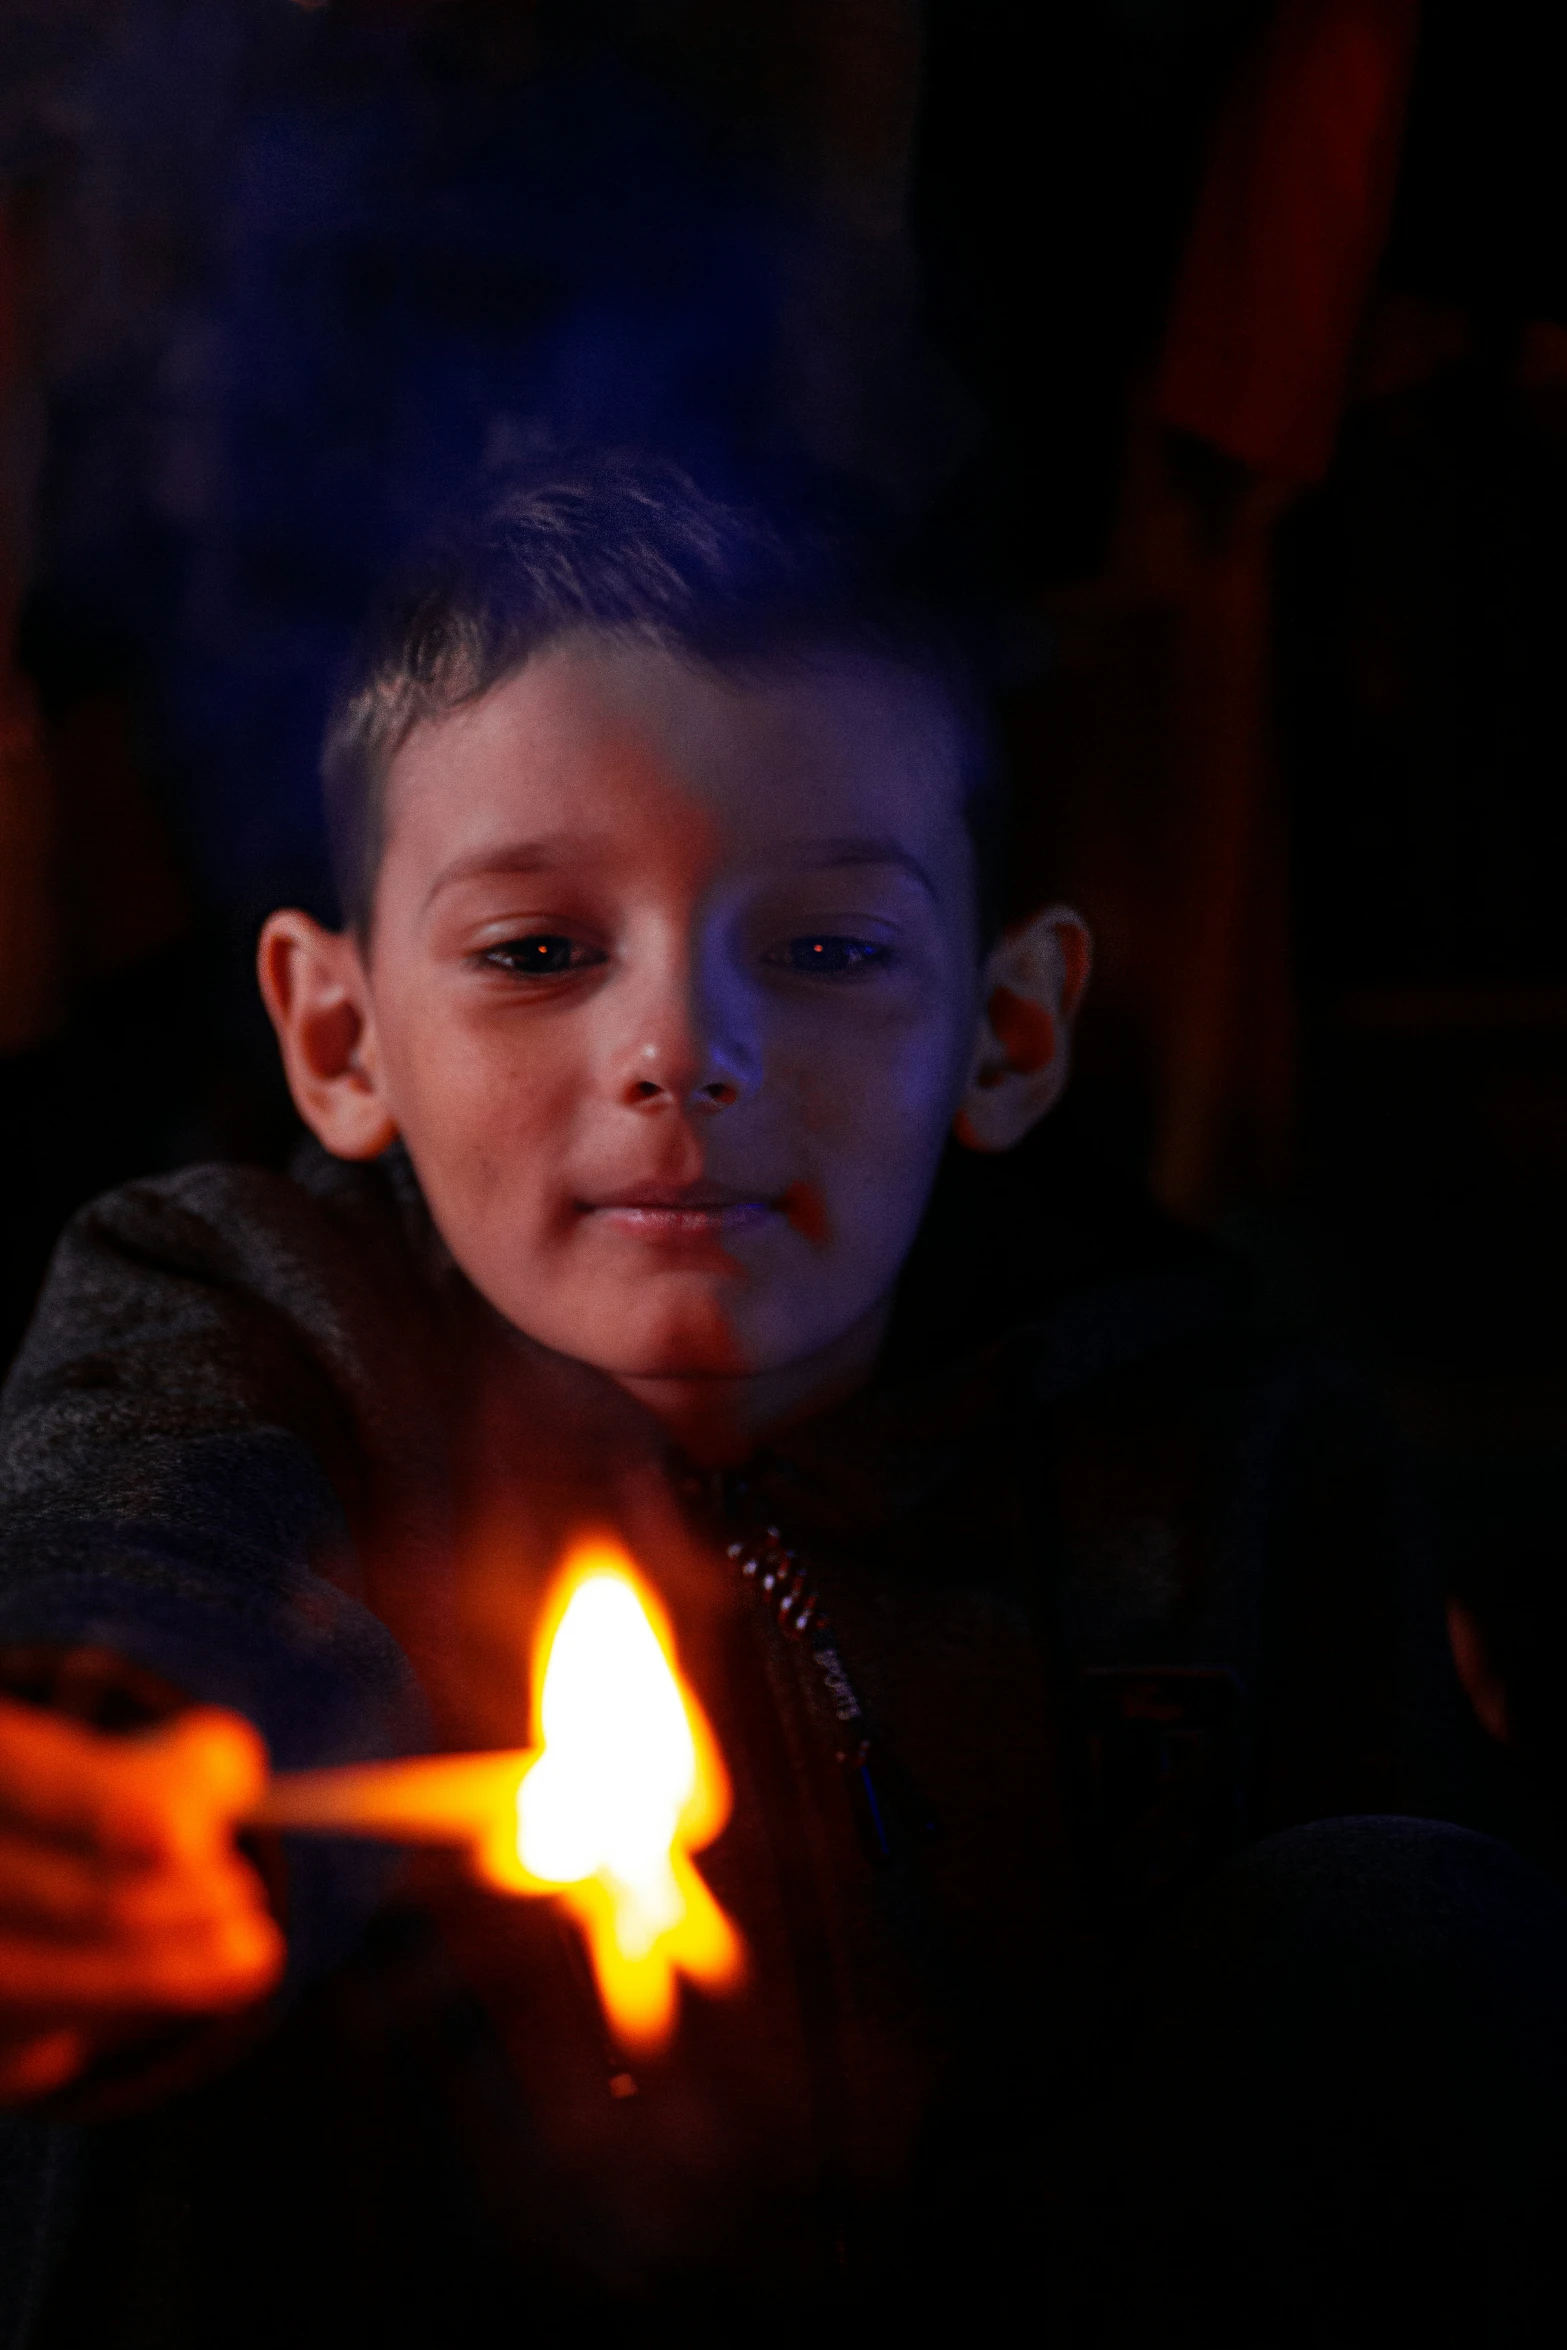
[{"x": 629, "y": 1783}]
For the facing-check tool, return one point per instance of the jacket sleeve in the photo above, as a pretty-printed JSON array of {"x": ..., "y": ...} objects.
[{"x": 187, "y": 1440}]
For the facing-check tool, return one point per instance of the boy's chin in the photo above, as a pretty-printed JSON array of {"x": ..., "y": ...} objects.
[
  {"x": 682, "y": 1329},
  {"x": 663, "y": 1339}
]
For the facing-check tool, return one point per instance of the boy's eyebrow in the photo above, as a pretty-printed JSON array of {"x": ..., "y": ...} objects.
[
  {"x": 826, "y": 855},
  {"x": 543, "y": 855},
  {"x": 517, "y": 856}
]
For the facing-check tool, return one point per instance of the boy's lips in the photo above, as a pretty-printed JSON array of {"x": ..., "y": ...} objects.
[{"x": 696, "y": 1211}]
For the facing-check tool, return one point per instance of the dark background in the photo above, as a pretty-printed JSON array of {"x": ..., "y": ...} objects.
[{"x": 273, "y": 278}]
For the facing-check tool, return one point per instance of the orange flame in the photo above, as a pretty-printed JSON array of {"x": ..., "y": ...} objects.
[{"x": 628, "y": 1785}]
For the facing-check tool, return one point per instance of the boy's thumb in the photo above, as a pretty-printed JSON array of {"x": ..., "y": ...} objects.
[{"x": 204, "y": 1772}]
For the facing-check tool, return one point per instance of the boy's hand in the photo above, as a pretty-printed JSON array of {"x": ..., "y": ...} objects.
[{"x": 121, "y": 1892}]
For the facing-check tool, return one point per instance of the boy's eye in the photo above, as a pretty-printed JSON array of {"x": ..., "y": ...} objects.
[
  {"x": 828, "y": 956},
  {"x": 542, "y": 954}
]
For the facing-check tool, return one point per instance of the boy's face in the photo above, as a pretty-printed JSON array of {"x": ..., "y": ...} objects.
[{"x": 672, "y": 995}]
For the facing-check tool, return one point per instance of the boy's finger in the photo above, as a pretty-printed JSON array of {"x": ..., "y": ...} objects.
[
  {"x": 52, "y": 1774},
  {"x": 181, "y": 1974},
  {"x": 173, "y": 1900},
  {"x": 49, "y": 1888},
  {"x": 177, "y": 1790},
  {"x": 37, "y": 2066},
  {"x": 206, "y": 1770}
]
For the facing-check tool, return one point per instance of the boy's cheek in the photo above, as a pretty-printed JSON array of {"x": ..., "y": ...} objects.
[
  {"x": 884, "y": 1098},
  {"x": 482, "y": 1133},
  {"x": 804, "y": 1207}
]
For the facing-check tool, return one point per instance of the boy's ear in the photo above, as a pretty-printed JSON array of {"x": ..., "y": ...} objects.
[
  {"x": 313, "y": 984},
  {"x": 1033, "y": 984}
]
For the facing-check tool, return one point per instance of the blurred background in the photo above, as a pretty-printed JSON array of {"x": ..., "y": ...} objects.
[{"x": 1219, "y": 346}]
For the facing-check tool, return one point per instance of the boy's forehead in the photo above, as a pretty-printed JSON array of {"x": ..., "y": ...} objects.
[{"x": 789, "y": 750}]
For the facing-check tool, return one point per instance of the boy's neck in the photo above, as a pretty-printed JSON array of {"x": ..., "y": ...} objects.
[{"x": 719, "y": 1420}]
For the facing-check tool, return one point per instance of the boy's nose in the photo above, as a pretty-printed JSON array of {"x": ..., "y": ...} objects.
[
  {"x": 652, "y": 1082},
  {"x": 687, "y": 1043}
]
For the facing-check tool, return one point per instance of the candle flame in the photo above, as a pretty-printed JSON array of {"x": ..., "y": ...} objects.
[{"x": 628, "y": 1785}]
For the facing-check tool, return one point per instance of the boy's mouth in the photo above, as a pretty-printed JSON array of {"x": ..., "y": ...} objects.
[{"x": 695, "y": 1211}]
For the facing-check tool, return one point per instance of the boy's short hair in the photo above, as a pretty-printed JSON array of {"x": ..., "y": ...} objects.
[{"x": 634, "y": 548}]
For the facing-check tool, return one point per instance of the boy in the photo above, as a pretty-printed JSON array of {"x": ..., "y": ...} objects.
[{"x": 670, "y": 964}]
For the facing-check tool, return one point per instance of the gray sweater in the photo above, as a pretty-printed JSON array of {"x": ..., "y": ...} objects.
[{"x": 1114, "y": 1583}]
